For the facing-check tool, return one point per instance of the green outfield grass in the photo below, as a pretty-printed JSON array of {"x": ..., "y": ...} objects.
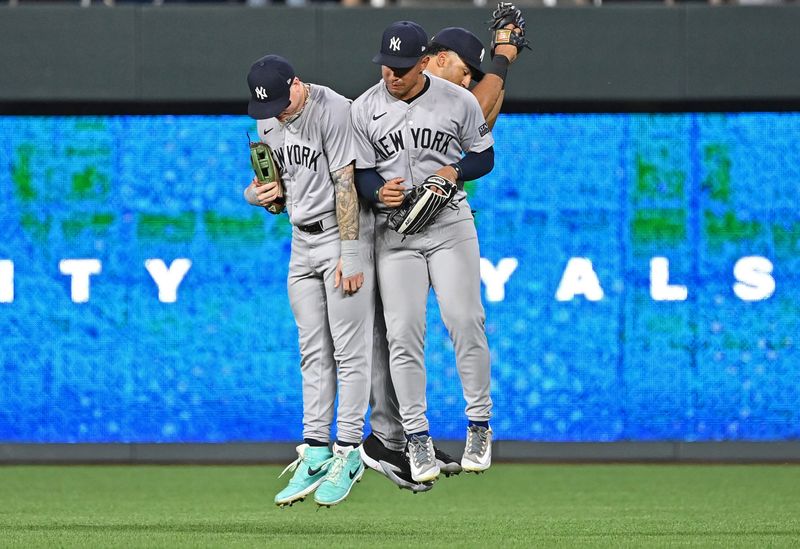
[{"x": 512, "y": 505}]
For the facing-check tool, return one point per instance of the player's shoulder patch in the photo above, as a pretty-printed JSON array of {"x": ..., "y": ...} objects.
[{"x": 484, "y": 129}]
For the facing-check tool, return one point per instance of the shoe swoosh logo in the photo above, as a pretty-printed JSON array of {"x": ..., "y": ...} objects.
[
  {"x": 379, "y": 116},
  {"x": 394, "y": 468},
  {"x": 312, "y": 472},
  {"x": 353, "y": 474},
  {"x": 392, "y": 472}
]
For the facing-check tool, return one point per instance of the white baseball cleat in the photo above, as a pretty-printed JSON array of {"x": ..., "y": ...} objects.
[
  {"x": 422, "y": 458},
  {"x": 478, "y": 449}
]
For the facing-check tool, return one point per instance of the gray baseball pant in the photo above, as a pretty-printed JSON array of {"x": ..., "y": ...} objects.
[
  {"x": 385, "y": 420},
  {"x": 446, "y": 257},
  {"x": 335, "y": 333}
]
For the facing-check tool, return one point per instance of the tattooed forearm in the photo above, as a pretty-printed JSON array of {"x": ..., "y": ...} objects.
[{"x": 346, "y": 202}]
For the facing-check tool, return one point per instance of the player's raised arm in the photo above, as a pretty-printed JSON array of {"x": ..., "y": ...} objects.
[
  {"x": 457, "y": 56},
  {"x": 508, "y": 38}
]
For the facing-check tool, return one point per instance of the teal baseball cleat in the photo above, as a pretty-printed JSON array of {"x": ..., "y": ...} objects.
[
  {"x": 346, "y": 468},
  {"x": 310, "y": 469}
]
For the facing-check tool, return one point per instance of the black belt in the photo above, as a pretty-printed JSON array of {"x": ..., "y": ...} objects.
[
  {"x": 317, "y": 227},
  {"x": 312, "y": 228}
]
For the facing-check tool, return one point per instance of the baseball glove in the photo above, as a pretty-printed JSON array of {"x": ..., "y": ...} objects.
[
  {"x": 505, "y": 14},
  {"x": 266, "y": 170},
  {"x": 422, "y": 204}
]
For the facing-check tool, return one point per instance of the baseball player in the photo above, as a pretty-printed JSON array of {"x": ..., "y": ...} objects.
[
  {"x": 407, "y": 127},
  {"x": 330, "y": 271},
  {"x": 455, "y": 54}
]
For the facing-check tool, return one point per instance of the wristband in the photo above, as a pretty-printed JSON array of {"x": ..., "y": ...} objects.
[
  {"x": 499, "y": 67},
  {"x": 250, "y": 196},
  {"x": 351, "y": 259}
]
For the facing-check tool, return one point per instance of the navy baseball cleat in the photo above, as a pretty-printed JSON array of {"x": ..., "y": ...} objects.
[{"x": 393, "y": 465}]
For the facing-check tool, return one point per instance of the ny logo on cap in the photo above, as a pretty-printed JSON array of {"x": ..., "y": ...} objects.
[
  {"x": 394, "y": 44},
  {"x": 261, "y": 93}
]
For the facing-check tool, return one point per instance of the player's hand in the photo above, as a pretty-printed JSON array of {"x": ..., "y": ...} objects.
[
  {"x": 393, "y": 192},
  {"x": 507, "y": 50},
  {"x": 262, "y": 195},
  {"x": 350, "y": 284},
  {"x": 268, "y": 192}
]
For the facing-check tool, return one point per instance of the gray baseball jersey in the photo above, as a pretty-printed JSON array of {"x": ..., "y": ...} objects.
[
  {"x": 413, "y": 140},
  {"x": 308, "y": 150},
  {"x": 335, "y": 330}
]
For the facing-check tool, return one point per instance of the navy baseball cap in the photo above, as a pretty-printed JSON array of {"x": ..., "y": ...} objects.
[
  {"x": 465, "y": 44},
  {"x": 269, "y": 81},
  {"x": 403, "y": 43}
]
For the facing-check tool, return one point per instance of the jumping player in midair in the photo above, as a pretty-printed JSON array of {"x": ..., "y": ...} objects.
[
  {"x": 330, "y": 282},
  {"x": 456, "y": 55},
  {"x": 407, "y": 127}
]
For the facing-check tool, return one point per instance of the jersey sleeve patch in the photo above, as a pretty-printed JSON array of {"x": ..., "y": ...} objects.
[{"x": 484, "y": 129}]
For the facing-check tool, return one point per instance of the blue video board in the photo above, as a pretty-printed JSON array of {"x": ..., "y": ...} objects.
[{"x": 640, "y": 282}]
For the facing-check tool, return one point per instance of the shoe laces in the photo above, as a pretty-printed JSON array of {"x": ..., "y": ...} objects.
[
  {"x": 336, "y": 466},
  {"x": 477, "y": 439},
  {"x": 292, "y": 466},
  {"x": 420, "y": 449},
  {"x": 295, "y": 464}
]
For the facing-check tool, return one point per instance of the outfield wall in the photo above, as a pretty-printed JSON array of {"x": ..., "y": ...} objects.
[
  {"x": 640, "y": 282},
  {"x": 640, "y": 270},
  {"x": 179, "y": 54}
]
